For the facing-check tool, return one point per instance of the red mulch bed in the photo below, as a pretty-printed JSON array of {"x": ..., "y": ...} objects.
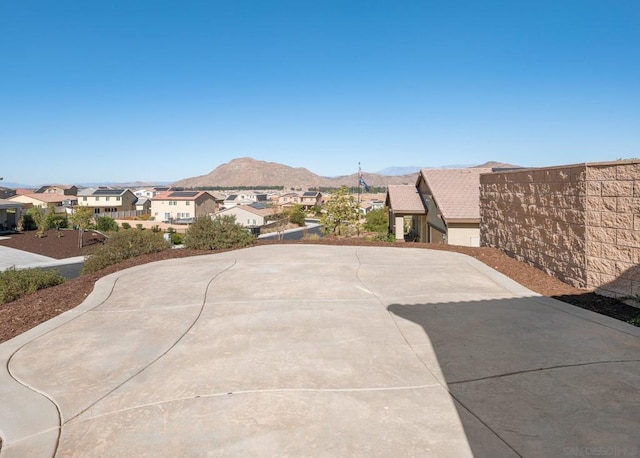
[{"x": 19, "y": 316}]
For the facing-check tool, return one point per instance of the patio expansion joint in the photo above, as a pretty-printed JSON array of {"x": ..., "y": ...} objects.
[
  {"x": 544, "y": 369},
  {"x": 435, "y": 376},
  {"x": 77, "y": 420},
  {"x": 159, "y": 357}
]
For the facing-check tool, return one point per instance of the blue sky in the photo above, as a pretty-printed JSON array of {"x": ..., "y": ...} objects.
[{"x": 163, "y": 90}]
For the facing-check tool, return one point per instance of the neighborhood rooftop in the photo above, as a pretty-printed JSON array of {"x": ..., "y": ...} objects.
[
  {"x": 405, "y": 199},
  {"x": 456, "y": 191}
]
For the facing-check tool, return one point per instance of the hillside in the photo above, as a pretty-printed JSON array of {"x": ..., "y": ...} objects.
[{"x": 253, "y": 173}]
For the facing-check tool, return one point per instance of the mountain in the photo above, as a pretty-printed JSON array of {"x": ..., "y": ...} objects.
[
  {"x": 396, "y": 171},
  {"x": 4, "y": 184},
  {"x": 250, "y": 172},
  {"x": 496, "y": 165}
]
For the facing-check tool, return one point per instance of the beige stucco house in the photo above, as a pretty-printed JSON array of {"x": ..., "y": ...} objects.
[
  {"x": 182, "y": 205},
  {"x": 10, "y": 212},
  {"x": 310, "y": 199},
  {"x": 64, "y": 189},
  {"x": 103, "y": 200},
  {"x": 450, "y": 201},
  {"x": 254, "y": 215},
  {"x": 60, "y": 202}
]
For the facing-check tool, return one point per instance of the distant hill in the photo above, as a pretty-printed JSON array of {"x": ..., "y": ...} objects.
[
  {"x": 250, "y": 172},
  {"x": 496, "y": 165},
  {"x": 396, "y": 171}
]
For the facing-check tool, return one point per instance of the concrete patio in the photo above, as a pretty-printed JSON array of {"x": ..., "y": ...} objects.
[{"x": 290, "y": 350}]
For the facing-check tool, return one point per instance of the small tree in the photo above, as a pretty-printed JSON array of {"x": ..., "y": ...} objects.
[
  {"x": 27, "y": 223},
  {"x": 81, "y": 218},
  {"x": 216, "y": 233},
  {"x": 296, "y": 215},
  {"x": 340, "y": 213},
  {"x": 55, "y": 221},
  {"x": 377, "y": 221},
  {"x": 106, "y": 224},
  {"x": 41, "y": 216}
]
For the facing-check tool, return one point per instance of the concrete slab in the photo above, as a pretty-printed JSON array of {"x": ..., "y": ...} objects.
[
  {"x": 323, "y": 351},
  {"x": 10, "y": 257}
]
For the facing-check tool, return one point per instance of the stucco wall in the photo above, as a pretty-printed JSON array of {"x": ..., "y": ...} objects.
[
  {"x": 463, "y": 234},
  {"x": 580, "y": 223}
]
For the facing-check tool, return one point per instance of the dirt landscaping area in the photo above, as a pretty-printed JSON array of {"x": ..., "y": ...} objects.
[{"x": 19, "y": 316}]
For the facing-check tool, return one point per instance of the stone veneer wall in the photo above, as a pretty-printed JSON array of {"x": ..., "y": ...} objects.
[{"x": 579, "y": 223}]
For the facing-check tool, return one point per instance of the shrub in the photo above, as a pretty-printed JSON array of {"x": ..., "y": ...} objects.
[
  {"x": 17, "y": 283},
  {"x": 215, "y": 234},
  {"x": 28, "y": 223},
  {"x": 377, "y": 221},
  {"x": 296, "y": 215},
  {"x": 384, "y": 237},
  {"x": 139, "y": 226},
  {"x": 55, "y": 221},
  {"x": 125, "y": 225},
  {"x": 635, "y": 321},
  {"x": 106, "y": 224},
  {"x": 176, "y": 238},
  {"x": 124, "y": 245}
]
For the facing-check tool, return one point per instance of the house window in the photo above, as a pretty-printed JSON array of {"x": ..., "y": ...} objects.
[
  {"x": 97, "y": 199},
  {"x": 118, "y": 198},
  {"x": 107, "y": 198},
  {"x": 187, "y": 203},
  {"x": 84, "y": 198}
]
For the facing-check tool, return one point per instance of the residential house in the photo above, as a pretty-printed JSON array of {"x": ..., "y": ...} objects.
[
  {"x": 289, "y": 199},
  {"x": 450, "y": 200},
  {"x": 148, "y": 193},
  {"x": 182, "y": 205},
  {"x": 63, "y": 189},
  {"x": 105, "y": 200},
  {"x": 143, "y": 204},
  {"x": 254, "y": 215},
  {"x": 10, "y": 212},
  {"x": 152, "y": 192},
  {"x": 62, "y": 203},
  {"x": 310, "y": 199},
  {"x": 247, "y": 198},
  {"x": 5, "y": 193},
  {"x": 407, "y": 211}
]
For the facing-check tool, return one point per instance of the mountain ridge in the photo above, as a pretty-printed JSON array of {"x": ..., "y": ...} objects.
[{"x": 246, "y": 171}]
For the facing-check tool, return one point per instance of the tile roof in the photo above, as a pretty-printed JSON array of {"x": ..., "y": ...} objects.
[
  {"x": 5, "y": 203},
  {"x": 46, "y": 198},
  {"x": 456, "y": 192},
  {"x": 405, "y": 199}
]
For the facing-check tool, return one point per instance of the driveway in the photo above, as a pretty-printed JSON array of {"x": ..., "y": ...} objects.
[
  {"x": 290, "y": 350},
  {"x": 10, "y": 257}
]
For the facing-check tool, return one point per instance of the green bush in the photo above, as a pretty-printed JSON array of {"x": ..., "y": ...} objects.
[
  {"x": 377, "y": 221},
  {"x": 56, "y": 221},
  {"x": 176, "y": 238},
  {"x": 297, "y": 216},
  {"x": 215, "y": 234},
  {"x": 383, "y": 237},
  {"x": 124, "y": 245},
  {"x": 28, "y": 223},
  {"x": 126, "y": 225},
  {"x": 106, "y": 224},
  {"x": 17, "y": 283}
]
